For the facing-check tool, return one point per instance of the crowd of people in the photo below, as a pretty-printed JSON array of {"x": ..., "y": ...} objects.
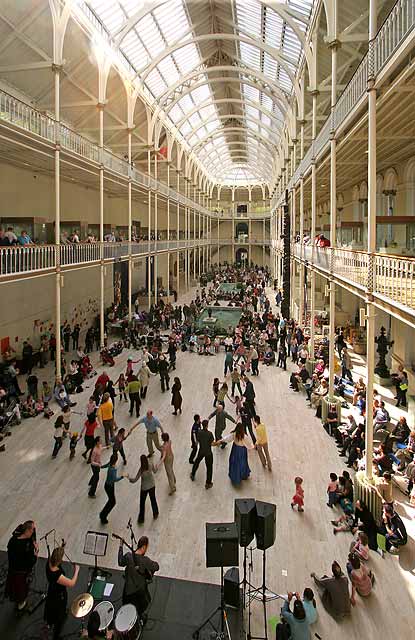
[{"x": 262, "y": 338}]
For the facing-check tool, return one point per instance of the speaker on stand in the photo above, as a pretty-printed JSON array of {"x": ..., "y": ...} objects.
[
  {"x": 221, "y": 551},
  {"x": 265, "y": 533},
  {"x": 245, "y": 518}
]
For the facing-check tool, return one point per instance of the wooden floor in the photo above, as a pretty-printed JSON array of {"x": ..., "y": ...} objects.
[{"x": 54, "y": 493}]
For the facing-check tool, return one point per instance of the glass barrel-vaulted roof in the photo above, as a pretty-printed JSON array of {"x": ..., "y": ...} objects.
[{"x": 256, "y": 47}]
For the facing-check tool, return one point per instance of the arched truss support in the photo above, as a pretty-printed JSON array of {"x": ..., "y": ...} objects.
[
  {"x": 289, "y": 15},
  {"x": 232, "y": 165},
  {"x": 240, "y": 101},
  {"x": 253, "y": 75},
  {"x": 60, "y": 18},
  {"x": 211, "y": 159},
  {"x": 237, "y": 154},
  {"x": 255, "y": 42},
  {"x": 232, "y": 116},
  {"x": 246, "y": 132},
  {"x": 208, "y": 81}
]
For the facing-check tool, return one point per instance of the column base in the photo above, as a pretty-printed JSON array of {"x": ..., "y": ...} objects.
[{"x": 384, "y": 382}]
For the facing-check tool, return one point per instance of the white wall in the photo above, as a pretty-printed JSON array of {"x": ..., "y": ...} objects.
[{"x": 27, "y": 301}]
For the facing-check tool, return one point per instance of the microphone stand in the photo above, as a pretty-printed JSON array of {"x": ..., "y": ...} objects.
[
  {"x": 42, "y": 594},
  {"x": 134, "y": 543}
]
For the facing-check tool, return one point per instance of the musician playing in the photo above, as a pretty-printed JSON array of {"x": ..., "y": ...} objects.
[
  {"x": 139, "y": 570},
  {"x": 22, "y": 551},
  {"x": 57, "y": 596}
]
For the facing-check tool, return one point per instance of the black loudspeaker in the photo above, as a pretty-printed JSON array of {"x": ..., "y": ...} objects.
[
  {"x": 265, "y": 524},
  {"x": 231, "y": 588},
  {"x": 222, "y": 548},
  {"x": 245, "y": 518}
]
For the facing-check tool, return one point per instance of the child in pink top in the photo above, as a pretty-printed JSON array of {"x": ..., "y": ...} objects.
[{"x": 298, "y": 497}]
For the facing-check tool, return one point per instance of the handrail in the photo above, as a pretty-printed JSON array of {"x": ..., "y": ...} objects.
[{"x": 21, "y": 114}]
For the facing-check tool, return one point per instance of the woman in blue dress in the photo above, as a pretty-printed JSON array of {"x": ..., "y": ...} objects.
[{"x": 238, "y": 460}]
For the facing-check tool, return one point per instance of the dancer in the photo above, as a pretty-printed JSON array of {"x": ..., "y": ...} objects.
[
  {"x": 151, "y": 424},
  {"x": 148, "y": 487},
  {"x": 112, "y": 478},
  {"x": 176, "y": 398},
  {"x": 298, "y": 497},
  {"x": 193, "y": 437},
  {"x": 238, "y": 460},
  {"x": 220, "y": 424},
  {"x": 167, "y": 458},
  {"x": 205, "y": 440},
  {"x": 262, "y": 443}
]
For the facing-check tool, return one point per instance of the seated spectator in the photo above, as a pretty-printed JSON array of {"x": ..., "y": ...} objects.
[
  {"x": 364, "y": 521},
  {"x": 311, "y": 386},
  {"x": 361, "y": 403},
  {"x": 300, "y": 376},
  {"x": 359, "y": 388},
  {"x": 406, "y": 454},
  {"x": 381, "y": 417},
  {"x": 382, "y": 459},
  {"x": 310, "y": 607},
  {"x": 401, "y": 432},
  {"x": 334, "y": 591},
  {"x": 345, "y": 431},
  {"x": 269, "y": 356},
  {"x": 61, "y": 395},
  {"x": 362, "y": 580},
  {"x": 393, "y": 529},
  {"x": 297, "y": 620},
  {"x": 360, "y": 546},
  {"x": 384, "y": 487},
  {"x": 318, "y": 395}
]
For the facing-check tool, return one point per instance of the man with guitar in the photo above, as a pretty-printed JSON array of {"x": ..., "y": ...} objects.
[{"x": 139, "y": 571}]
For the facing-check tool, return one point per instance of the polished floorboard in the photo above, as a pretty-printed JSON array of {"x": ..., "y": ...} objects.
[{"x": 54, "y": 493}]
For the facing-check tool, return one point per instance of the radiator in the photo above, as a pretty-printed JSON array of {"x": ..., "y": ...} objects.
[{"x": 363, "y": 492}]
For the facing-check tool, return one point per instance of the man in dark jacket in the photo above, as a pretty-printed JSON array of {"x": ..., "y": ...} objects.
[
  {"x": 139, "y": 571},
  {"x": 220, "y": 423}
]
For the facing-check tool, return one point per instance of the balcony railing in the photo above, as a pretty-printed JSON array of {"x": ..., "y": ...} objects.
[
  {"x": 394, "y": 277},
  {"x": 26, "y": 117},
  {"x": 27, "y": 259},
  {"x": 40, "y": 258},
  {"x": 397, "y": 26}
]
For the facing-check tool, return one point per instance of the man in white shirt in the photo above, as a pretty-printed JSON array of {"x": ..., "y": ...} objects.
[{"x": 11, "y": 235}]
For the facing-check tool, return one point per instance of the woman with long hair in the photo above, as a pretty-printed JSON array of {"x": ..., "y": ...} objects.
[
  {"x": 112, "y": 478},
  {"x": 238, "y": 460},
  {"x": 176, "y": 397},
  {"x": 94, "y": 459},
  {"x": 148, "y": 487},
  {"x": 57, "y": 595}
]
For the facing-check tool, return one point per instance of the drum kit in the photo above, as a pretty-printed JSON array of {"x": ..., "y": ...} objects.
[{"x": 127, "y": 624}]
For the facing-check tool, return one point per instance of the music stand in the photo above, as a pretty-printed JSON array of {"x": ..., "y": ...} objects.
[{"x": 95, "y": 545}]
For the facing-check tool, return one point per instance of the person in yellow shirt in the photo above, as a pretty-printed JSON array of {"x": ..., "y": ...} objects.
[
  {"x": 262, "y": 443},
  {"x": 105, "y": 417}
]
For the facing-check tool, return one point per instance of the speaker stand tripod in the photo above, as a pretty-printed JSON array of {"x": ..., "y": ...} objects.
[
  {"x": 245, "y": 583},
  {"x": 264, "y": 595},
  {"x": 221, "y": 609}
]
